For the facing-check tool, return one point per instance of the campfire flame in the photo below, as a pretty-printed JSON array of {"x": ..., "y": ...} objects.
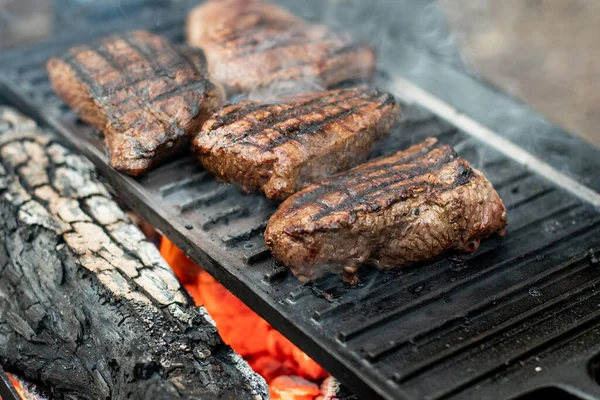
[
  {"x": 290, "y": 373},
  {"x": 17, "y": 385}
]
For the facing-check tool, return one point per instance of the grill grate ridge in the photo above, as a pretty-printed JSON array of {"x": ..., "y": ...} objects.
[
  {"x": 186, "y": 183},
  {"x": 223, "y": 216},
  {"x": 245, "y": 234},
  {"x": 424, "y": 280},
  {"x": 575, "y": 327},
  {"x": 345, "y": 336},
  {"x": 422, "y": 367},
  {"x": 391, "y": 345},
  {"x": 211, "y": 197}
]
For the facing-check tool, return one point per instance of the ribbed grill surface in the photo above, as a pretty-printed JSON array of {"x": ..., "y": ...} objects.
[{"x": 520, "y": 313}]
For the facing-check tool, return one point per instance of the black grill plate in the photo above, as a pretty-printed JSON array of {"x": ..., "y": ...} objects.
[{"x": 522, "y": 313}]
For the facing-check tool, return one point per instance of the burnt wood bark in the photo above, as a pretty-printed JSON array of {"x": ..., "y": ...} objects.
[{"x": 88, "y": 308}]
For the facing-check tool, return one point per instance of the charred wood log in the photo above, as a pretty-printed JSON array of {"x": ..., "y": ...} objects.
[
  {"x": 88, "y": 308},
  {"x": 332, "y": 389}
]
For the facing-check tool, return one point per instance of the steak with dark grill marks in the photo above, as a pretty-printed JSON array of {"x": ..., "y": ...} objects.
[
  {"x": 394, "y": 211},
  {"x": 250, "y": 45},
  {"x": 147, "y": 97},
  {"x": 280, "y": 148}
]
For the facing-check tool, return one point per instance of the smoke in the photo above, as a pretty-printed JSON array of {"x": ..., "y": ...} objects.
[
  {"x": 382, "y": 22},
  {"x": 272, "y": 93},
  {"x": 24, "y": 21},
  {"x": 537, "y": 51}
]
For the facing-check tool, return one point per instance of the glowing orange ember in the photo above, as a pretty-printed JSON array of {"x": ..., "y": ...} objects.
[
  {"x": 290, "y": 373},
  {"x": 185, "y": 269},
  {"x": 17, "y": 385},
  {"x": 293, "y": 387}
]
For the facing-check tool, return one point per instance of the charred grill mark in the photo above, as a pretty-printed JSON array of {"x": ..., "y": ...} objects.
[
  {"x": 200, "y": 83},
  {"x": 304, "y": 129},
  {"x": 334, "y": 52},
  {"x": 235, "y": 34},
  {"x": 295, "y": 64},
  {"x": 262, "y": 22},
  {"x": 185, "y": 55},
  {"x": 397, "y": 171},
  {"x": 168, "y": 71},
  {"x": 131, "y": 81},
  {"x": 85, "y": 77},
  {"x": 356, "y": 177},
  {"x": 281, "y": 40},
  {"x": 310, "y": 128},
  {"x": 347, "y": 48},
  {"x": 194, "y": 85},
  {"x": 368, "y": 169},
  {"x": 238, "y": 114},
  {"x": 257, "y": 128},
  {"x": 306, "y": 108},
  {"x": 97, "y": 92},
  {"x": 103, "y": 52},
  {"x": 388, "y": 100},
  {"x": 259, "y": 35},
  {"x": 142, "y": 103},
  {"x": 276, "y": 118},
  {"x": 298, "y": 117},
  {"x": 463, "y": 175},
  {"x": 148, "y": 56},
  {"x": 361, "y": 71},
  {"x": 288, "y": 37},
  {"x": 140, "y": 49}
]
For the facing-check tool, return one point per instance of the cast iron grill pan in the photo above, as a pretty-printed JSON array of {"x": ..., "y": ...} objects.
[{"x": 521, "y": 316}]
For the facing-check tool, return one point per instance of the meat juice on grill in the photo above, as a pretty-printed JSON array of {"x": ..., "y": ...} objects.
[
  {"x": 250, "y": 45},
  {"x": 397, "y": 210},
  {"x": 147, "y": 97},
  {"x": 279, "y": 148}
]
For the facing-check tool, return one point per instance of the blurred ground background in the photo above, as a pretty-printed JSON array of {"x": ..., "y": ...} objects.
[{"x": 545, "y": 52}]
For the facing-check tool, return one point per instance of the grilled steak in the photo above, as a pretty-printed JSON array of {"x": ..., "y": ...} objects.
[
  {"x": 250, "y": 45},
  {"x": 148, "y": 98},
  {"x": 280, "y": 148},
  {"x": 393, "y": 211}
]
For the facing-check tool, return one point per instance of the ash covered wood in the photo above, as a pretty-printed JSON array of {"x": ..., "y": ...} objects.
[
  {"x": 88, "y": 308},
  {"x": 332, "y": 389}
]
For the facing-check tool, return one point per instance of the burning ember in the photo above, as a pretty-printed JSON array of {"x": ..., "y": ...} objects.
[
  {"x": 290, "y": 373},
  {"x": 26, "y": 391},
  {"x": 17, "y": 385}
]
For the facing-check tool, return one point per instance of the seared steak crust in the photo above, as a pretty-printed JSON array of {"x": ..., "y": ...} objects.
[
  {"x": 393, "y": 211},
  {"x": 148, "y": 98},
  {"x": 250, "y": 45},
  {"x": 280, "y": 148}
]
